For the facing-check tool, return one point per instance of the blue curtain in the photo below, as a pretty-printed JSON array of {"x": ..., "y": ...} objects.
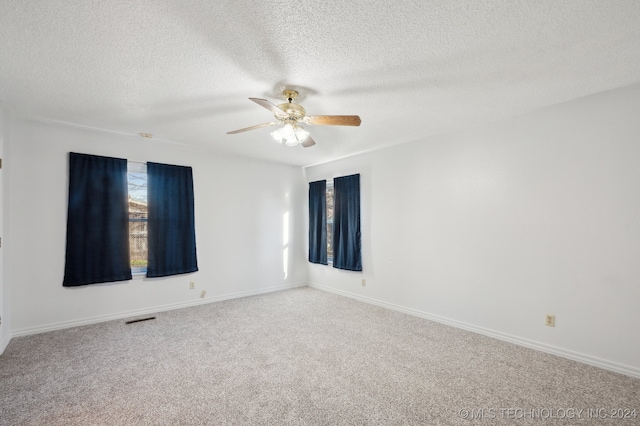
[
  {"x": 346, "y": 223},
  {"x": 97, "y": 221},
  {"x": 171, "y": 223},
  {"x": 318, "y": 222}
]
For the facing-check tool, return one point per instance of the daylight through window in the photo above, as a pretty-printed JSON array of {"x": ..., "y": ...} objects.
[
  {"x": 137, "y": 180},
  {"x": 330, "y": 221}
]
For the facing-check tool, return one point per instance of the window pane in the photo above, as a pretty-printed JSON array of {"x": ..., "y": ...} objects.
[
  {"x": 330, "y": 221},
  {"x": 137, "y": 179}
]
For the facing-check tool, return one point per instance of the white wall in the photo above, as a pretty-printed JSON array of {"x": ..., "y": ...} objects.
[
  {"x": 239, "y": 207},
  {"x": 492, "y": 228}
]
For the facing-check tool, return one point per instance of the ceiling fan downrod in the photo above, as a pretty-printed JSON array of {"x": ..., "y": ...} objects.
[{"x": 289, "y": 95}]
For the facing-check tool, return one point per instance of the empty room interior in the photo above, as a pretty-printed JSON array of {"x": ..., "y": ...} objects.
[{"x": 319, "y": 212}]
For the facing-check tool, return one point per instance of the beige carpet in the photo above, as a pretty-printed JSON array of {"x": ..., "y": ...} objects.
[{"x": 299, "y": 357}]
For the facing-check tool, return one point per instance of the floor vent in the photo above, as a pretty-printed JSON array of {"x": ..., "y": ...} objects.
[{"x": 141, "y": 319}]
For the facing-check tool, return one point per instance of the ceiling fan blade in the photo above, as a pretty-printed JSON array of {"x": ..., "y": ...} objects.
[
  {"x": 308, "y": 142},
  {"x": 268, "y": 105},
  {"x": 333, "y": 120},
  {"x": 257, "y": 126}
]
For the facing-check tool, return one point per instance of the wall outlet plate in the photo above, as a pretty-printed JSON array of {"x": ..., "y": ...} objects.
[
  {"x": 550, "y": 320},
  {"x": 203, "y": 293}
]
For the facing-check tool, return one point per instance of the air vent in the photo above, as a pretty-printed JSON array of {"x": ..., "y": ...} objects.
[{"x": 139, "y": 320}]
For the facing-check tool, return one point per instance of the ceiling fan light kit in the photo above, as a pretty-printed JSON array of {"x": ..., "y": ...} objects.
[
  {"x": 290, "y": 134},
  {"x": 290, "y": 114}
]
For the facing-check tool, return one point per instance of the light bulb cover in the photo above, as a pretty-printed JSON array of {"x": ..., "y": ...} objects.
[
  {"x": 277, "y": 135},
  {"x": 290, "y": 135},
  {"x": 301, "y": 134}
]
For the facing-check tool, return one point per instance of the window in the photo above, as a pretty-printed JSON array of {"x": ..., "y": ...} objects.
[
  {"x": 110, "y": 236},
  {"x": 138, "y": 241},
  {"x": 329, "y": 221},
  {"x": 334, "y": 223}
]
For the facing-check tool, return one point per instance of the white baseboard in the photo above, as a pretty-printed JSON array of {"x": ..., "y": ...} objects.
[
  {"x": 151, "y": 310},
  {"x": 4, "y": 343},
  {"x": 542, "y": 347}
]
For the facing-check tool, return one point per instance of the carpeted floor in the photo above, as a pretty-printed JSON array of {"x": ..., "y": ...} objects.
[{"x": 299, "y": 357}]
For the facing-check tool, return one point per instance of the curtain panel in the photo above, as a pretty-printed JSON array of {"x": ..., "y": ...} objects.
[
  {"x": 171, "y": 222},
  {"x": 346, "y": 223},
  {"x": 318, "y": 222},
  {"x": 97, "y": 248}
]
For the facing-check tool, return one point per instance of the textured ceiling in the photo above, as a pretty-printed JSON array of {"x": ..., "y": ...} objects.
[{"x": 183, "y": 70}]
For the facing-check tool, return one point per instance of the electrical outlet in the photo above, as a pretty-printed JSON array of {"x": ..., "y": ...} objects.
[
  {"x": 364, "y": 282},
  {"x": 203, "y": 293},
  {"x": 551, "y": 320},
  {"x": 192, "y": 285}
]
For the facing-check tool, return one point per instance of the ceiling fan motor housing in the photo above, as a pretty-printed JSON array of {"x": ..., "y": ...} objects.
[{"x": 292, "y": 111}]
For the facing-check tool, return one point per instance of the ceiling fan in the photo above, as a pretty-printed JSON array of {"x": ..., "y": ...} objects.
[{"x": 291, "y": 115}]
